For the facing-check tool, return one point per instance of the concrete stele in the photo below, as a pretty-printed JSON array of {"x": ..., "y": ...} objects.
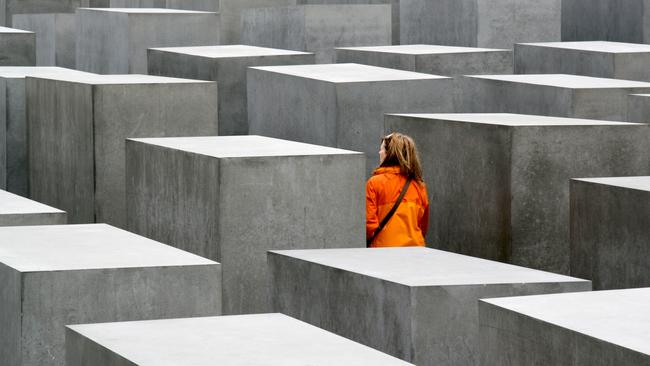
[
  {"x": 55, "y": 37},
  {"x": 19, "y": 211},
  {"x": 638, "y": 108},
  {"x": 17, "y": 47}
]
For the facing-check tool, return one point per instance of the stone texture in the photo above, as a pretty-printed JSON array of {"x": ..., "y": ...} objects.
[
  {"x": 500, "y": 182},
  {"x": 231, "y": 12},
  {"x": 17, "y": 47},
  {"x": 232, "y": 198},
  {"x": 317, "y": 28},
  {"x": 68, "y": 274},
  {"x": 417, "y": 304},
  {"x": 638, "y": 108},
  {"x": 581, "y": 329},
  {"x": 479, "y": 23},
  {"x": 115, "y": 40},
  {"x": 339, "y": 105},
  {"x": 606, "y": 20},
  {"x": 19, "y": 211},
  {"x": 55, "y": 37},
  {"x": 227, "y": 66},
  {"x": 78, "y": 126},
  {"x": 9, "y": 8},
  {"x": 609, "y": 231}
]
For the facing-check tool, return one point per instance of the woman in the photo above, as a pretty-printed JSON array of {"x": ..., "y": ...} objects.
[{"x": 399, "y": 169}]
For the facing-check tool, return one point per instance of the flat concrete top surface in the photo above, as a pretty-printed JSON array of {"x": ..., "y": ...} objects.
[
  {"x": 11, "y": 204},
  {"x": 146, "y": 11},
  {"x": 17, "y": 72},
  {"x": 242, "y": 146},
  {"x": 77, "y": 247},
  {"x": 565, "y": 81},
  {"x": 422, "y": 49},
  {"x": 417, "y": 266},
  {"x": 259, "y": 339},
  {"x": 230, "y": 51},
  {"x": 13, "y": 30},
  {"x": 596, "y": 46},
  {"x": 96, "y": 79},
  {"x": 348, "y": 73},
  {"x": 641, "y": 183},
  {"x": 513, "y": 120},
  {"x": 621, "y": 317}
]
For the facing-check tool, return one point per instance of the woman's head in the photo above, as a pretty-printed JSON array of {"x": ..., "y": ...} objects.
[{"x": 399, "y": 150}]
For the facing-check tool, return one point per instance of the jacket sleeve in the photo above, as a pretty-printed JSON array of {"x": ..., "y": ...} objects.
[
  {"x": 424, "y": 220},
  {"x": 372, "y": 218}
]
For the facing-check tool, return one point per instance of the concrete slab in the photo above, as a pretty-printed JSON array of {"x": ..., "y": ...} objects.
[
  {"x": 55, "y": 37},
  {"x": 609, "y": 231},
  {"x": 232, "y": 198},
  {"x": 507, "y": 198},
  {"x": 431, "y": 59},
  {"x": 19, "y": 211},
  {"x": 417, "y": 304},
  {"x": 67, "y": 274},
  {"x": 595, "y": 58},
  {"x": 638, "y": 108},
  {"x": 558, "y": 95},
  {"x": 227, "y": 66},
  {"x": 606, "y": 20},
  {"x": 17, "y": 47},
  {"x": 9, "y": 8},
  {"x": 78, "y": 125},
  {"x": 317, "y": 28},
  {"x": 115, "y": 40},
  {"x": 582, "y": 329},
  {"x": 339, "y": 105},
  {"x": 480, "y": 23}
]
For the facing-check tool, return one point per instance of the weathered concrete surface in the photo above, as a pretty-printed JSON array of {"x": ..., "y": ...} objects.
[
  {"x": 55, "y": 37},
  {"x": 19, "y": 211},
  {"x": 638, "y": 108},
  {"x": 582, "y": 329},
  {"x": 115, "y": 40},
  {"x": 78, "y": 126},
  {"x": 9, "y": 8},
  {"x": 317, "y": 28},
  {"x": 606, "y": 20},
  {"x": 227, "y": 66},
  {"x": 610, "y": 218},
  {"x": 339, "y": 105},
  {"x": 417, "y": 304},
  {"x": 199, "y": 5},
  {"x": 232, "y": 198},
  {"x": 558, "y": 95},
  {"x": 231, "y": 11},
  {"x": 17, "y": 47},
  {"x": 431, "y": 59},
  {"x": 67, "y": 274},
  {"x": 613, "y": 60},
  {"x": 507, "y": 197},
  {"x": 479, "y": 23}
]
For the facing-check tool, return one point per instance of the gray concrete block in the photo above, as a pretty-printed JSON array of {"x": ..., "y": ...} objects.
[
  {"x": 55, "y": 37},
  {"x": 480, "y": 23},
  {"x": 20, "y": 211},
  {"x": 227, "y": 66},
  {"x": 606, "y": 20},
  {"x": 115, "y": 40},
  {"x": 9, "y": 8},
  {"x": 431, "y": 59},
  {"x": 231, "y": 11},
  {"x": 638, "y": 108},
  {"x": 17, "y": 47},
  {"x": 417, "y": 304},
  {"x": 507, "y": 197},
  {"x": 199, "y": 5},
  {"x": 558, "y": 95},
  {"x": 609, "y": 231},
  {"x": 339, "y": 105},
  {"x": 598, "y": 328},
  {"x": 254, "y": 340},
  {"x": 78, "y": 126},
  {"x": 613, "y": 60},
  {"x": 57, "y": 275},
  {"x": 317, "y": 28},
  {"x": 232, "y": 198}
]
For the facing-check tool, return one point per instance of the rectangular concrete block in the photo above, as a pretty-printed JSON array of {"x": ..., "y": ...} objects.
[
  {"x": 317, "y": 28},
  {"x": 339, "y": 105},
  {"x": 20, "y": 211},
  {"x": 78, "y": 126},
  {"x": 55, "y": 37},
  {"x": 638, "y": 108},
  {"x": 115, "y": 40},
  {"x": 479, "y": 23},
  {"x": 231, "y": 12},
  {"x": 500, "y": 182},
  {"x": 431, "y": 59},
  {"x": 17, "y": 47},
  {"x": 418, "y": 304},
  {"x": 612, "y": 60},
  {"x": 610, "y": 218},
  {"x": 558, "y": 95},
  {"x": 582, "y": 329},
  {"x": 227, "y": 66},
  {"x": 9, "y": 8},
  {"x": 58, "y": 275},
  {"x": 232, "y": 198},
  {"x": 606, "y": 20},
  {"x": 199, "y": 5}
]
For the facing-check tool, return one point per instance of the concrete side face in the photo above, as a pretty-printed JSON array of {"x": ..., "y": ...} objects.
[
  {"x": 609, "y": 235},
  {"x": 638, "y": 108},
  {"x": 3, "y": 133},
  {"x": 102, "y": 42},
  {"x": 444, "y": 22},
  {"x": 381, "y": 59},
  {"x": 274, "y": 27},
  {"x": 10, "y": 295},
  {"x": 231, "y": 11},
  {"x": 198, "y": 5},
  {"x": 55, "y": 37},
  {"x": 33, "y": 219},
  {"x": 605, "y": 20},
  {"x": 531, "y": 59},
  {"x": 11, "y": 7},
  {"x": 17, "y": 49},
  {"x": 16, "y": 138}
]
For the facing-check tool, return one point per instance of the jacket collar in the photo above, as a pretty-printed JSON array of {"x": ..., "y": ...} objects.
[{"x": 387, "y": 169}]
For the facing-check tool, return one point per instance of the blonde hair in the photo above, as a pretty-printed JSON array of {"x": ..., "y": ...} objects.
[{"x": 402, "y": 152}]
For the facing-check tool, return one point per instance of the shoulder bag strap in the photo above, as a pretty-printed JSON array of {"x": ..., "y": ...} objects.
[{"x": 390, "y": 213}]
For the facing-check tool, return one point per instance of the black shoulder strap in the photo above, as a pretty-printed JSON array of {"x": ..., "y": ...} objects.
[{"x": 390, "y": 213}]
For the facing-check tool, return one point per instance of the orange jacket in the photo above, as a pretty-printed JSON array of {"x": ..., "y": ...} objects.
[{"x": 408, "y": 226}]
